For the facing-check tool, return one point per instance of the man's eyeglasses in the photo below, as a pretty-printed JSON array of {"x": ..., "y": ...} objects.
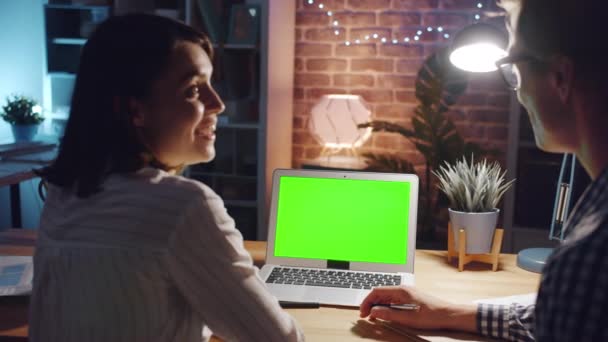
[{"x": 510, "y": 72}]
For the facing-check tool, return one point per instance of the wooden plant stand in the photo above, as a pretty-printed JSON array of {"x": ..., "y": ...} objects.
[{"x": 463, "y": 258}]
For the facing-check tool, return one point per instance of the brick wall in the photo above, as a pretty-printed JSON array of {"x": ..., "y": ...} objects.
[{"x": 384, "y": 74}]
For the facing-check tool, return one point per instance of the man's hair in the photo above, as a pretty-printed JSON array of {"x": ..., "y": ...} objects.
[
  {"x": 577, "y": 29},
  {"x": 122, "y": 59}
]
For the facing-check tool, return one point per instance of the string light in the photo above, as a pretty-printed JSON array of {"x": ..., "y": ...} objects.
[{"x": 384, "y": 40}]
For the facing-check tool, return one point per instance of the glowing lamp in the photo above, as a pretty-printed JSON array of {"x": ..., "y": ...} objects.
[
  {"x": 477, "y": 48},
  {"x": 334, "y": 122}
]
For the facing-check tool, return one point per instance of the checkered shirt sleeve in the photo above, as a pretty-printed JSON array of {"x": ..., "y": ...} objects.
[
  {"x": 509, "y": 322},
  {"x": 572, "y": 302}
]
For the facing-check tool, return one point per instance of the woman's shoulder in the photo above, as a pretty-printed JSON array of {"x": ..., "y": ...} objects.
[{"x": 160, "y": 181}]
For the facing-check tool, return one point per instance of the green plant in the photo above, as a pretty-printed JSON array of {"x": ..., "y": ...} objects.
[
  {"x": 388, "y": 163},
  {"x": 438, "y": 86},
  {"x": 472, "y": 187},
  {"x": 21, "y": 110}
]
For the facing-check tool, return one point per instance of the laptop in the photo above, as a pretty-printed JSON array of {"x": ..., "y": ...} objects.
[{"x": 333, "y": 236}]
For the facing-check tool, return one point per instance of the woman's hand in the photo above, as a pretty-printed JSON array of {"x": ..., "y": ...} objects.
[{"x": 434, "y": 313}]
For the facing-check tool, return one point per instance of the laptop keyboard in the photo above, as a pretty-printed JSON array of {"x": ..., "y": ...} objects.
[{"x": 331, "y": 278}]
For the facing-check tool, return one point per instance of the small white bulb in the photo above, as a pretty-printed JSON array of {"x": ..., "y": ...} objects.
[
  {"x": 310, "y": 2},
  {"x": 430, "y": 29},
  {"x": 440, "y": 29},
  {"x": 347, "y": 43},
  {"x": 367, "y": 37},
  {"x": 416, "y": 38},
  {"x": 375, "y": 35},
  {"x": 321, "y": 6},
  {"x": 357, "y": 41},
  {"x": 335, "y": 23},
  {"x": 446, "y": 36},
  {"x": 419, "y": 32},
  {"x": 336, "y": 32},
  {"x": 406, "y": 39},
  {"x": 395, "y": 41},
  {"x": 477, "y": 16},
  {"x": 479, "y": 5},
  {"x": 383, "y": 40},
  {"x": 330, "y": 13}
]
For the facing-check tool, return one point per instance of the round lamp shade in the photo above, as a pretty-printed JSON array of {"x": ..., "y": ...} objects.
[
  {"x": 334, "y": 119},
  {"x": 477, "y": 48}
]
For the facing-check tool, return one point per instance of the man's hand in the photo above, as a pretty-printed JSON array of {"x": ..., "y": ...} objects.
[{"x": 434, "y": 313}]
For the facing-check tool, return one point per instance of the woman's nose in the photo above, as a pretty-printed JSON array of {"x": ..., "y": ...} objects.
[{"x": 216, "y": 105}]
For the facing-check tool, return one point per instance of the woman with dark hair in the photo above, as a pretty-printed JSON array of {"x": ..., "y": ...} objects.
[{"x": 128, "y": 250}]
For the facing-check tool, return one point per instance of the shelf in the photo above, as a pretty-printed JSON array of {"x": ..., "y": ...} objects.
[
  {"x": 60, "y": 74},
  {"x": 76, "y": 7},
  {"x": 239, "y": 125},
  {"x": 69, "y": 41},
  {"x": 244, "y": 204},
  {"x": 229, "y": 46},
  {"x": 528, "y": 144},
  {"x": 517, "y": 228}
]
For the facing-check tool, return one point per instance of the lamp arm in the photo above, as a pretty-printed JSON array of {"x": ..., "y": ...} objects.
[{"x": 562, "y": 199}]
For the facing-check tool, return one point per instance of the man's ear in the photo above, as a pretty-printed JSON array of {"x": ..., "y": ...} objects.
[{"x": 562, "y": 71}]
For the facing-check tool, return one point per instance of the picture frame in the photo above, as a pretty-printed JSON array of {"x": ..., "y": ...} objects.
[{"x": 244, "y": 24}]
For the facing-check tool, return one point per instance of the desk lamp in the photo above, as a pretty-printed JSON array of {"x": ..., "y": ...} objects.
[
  {"x": 334, "y": 123},
  {"x": 477, "y": 48}
]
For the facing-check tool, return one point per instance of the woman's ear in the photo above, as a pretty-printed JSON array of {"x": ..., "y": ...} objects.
[
  {"x": 136, "y": 112},
  {"x": 130, "y": 108},
  {"x": 562, "y": 71}
]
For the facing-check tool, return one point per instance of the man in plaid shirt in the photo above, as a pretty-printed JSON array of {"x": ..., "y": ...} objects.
[{"x": 557, "y": 64}]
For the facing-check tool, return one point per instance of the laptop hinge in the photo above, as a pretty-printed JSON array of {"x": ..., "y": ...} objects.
[{"x": 340, "y": 265}]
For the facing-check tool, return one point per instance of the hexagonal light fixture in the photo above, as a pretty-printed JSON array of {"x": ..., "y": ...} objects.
[{"x": 334, "y": 119}]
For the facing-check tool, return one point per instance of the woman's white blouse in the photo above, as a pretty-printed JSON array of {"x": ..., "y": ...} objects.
[{"x": 152, "y": 257}]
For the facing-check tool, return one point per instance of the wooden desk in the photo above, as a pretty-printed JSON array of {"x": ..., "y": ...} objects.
[
  {"x": 433, "y": 274},
  {"x": 16, "y": 164},
  {"x": 11, "y": 174}
]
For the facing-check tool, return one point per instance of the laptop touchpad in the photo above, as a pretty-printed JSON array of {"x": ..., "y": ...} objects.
[
  {"x": 288, "y": 293},
  {"x": 330, "y": 296}
]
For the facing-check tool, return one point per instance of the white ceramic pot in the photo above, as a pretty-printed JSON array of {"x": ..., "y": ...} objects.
[{"x": 479, "y": 228}]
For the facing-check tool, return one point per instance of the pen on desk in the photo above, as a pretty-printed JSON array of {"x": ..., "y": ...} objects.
[
  {"x": 403, "y": 307},
  {"x": 298, "y": 305}
]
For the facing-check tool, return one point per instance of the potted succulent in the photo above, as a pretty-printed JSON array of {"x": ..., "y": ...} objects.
[
  {"x": 474, "y": 190},
  {"x": 24, "y": 115}
]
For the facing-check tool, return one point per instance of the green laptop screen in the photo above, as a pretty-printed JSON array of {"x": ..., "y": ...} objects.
[{"x": 342, "y": 219}]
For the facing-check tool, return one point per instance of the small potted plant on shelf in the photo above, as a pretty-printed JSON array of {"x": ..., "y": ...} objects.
[
  {"x": 474, "y": 190},
  {"x": 24, "y": 115}
]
